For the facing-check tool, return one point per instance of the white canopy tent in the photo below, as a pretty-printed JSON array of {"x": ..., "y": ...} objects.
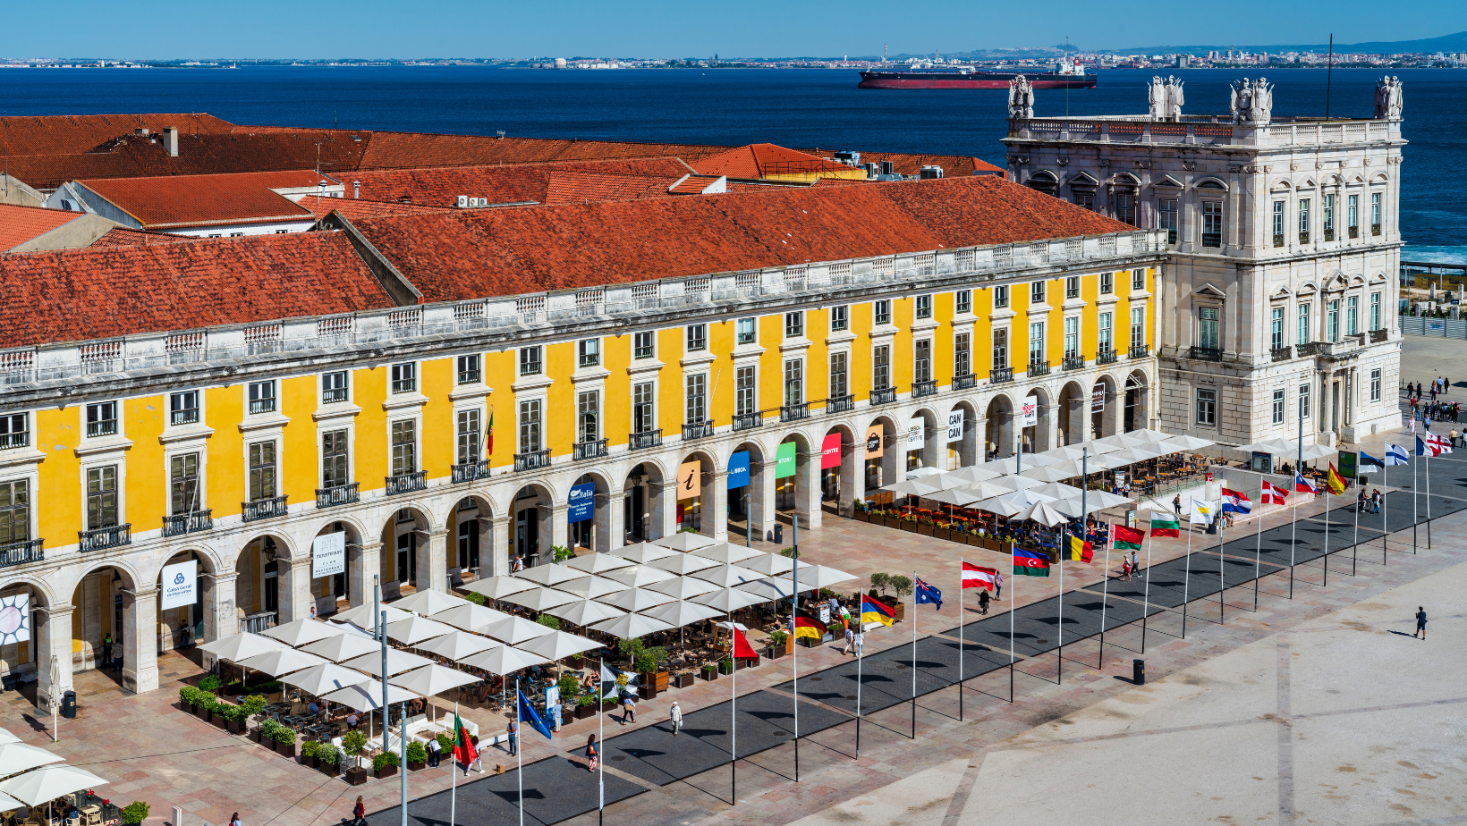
[
  {"x": 499, "y": 587},
  {"x": 47, "y": 783},
  {"x": 727, "y": 576},
  {"x": 598, "y": 563},
  {"x": 320, "y": 680},
  {"x": 628, "y": 626},
  {"x": 552, "y": 574},
  {"x": 428, "y": 603},
  {"x": 1043, "y": 513},
  {"x": 729, "y": 599},
  {"x": 363, "y": 616},
  {"x": 505, "y": 659},
  {"x": 342, "y": 647},
  {"x": 303, "y": 632},
  {"x": 585, "y": 612},
  {"x": 636, "y": 599},
  {"x": 542, "y": 599},
  {"x": 768, "y": 564},
  {"x": 558, "y": 644},
  {"x": 415, "y": 630},
  {"x": 726, "y": 554},
  {"x": 281, "y": 661},
  {"x": 683, "y": 587},
  {"x": 683, "y": 564},
  {"x": 684, "y": 541},
  {"x": 514, "y": 630},
  {"x": 21, "y": 757},
  {"x": 469, "y": 617},
  {"x": 782, "y": 587},
  {"x": 457, "y": 645},
  {"x": 367, "y": 696},
  {"x": 641, "y": 553},
  {"x": 7, "y": 737},
  {"x": 590, "y": 586},
  {"x": 679, "y": 614},
  {"x": 397, "y": 662},
  {"x": 244, "y": 645},
  {"x": 640, "y": 576}
]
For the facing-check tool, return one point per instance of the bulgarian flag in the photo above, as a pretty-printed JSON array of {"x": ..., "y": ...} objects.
[
  {"x": 976, "y": 577},
  {"x": 1030, "y": 563},
  {"x": 1164, "y": 524},
  {"x": 463, "y": 747},
  {"x": 1128, "y": 539}
]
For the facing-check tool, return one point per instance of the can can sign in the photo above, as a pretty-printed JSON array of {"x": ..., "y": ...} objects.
[{"x": 180, "y": 582}]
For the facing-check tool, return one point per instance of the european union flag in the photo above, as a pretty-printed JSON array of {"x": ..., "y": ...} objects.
[
  {"x": 528, "y": 714},
  {"x": 928, "y": 594}
]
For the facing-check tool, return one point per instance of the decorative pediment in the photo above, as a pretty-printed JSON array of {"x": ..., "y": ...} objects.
[
  {"x": 1378, "y": 278},
  {"x": 1336, "y": 281},
  {"x": 1124, "y": 179},
  {"x": 1357, "y": 280},
  {"x": 1283, "y": 185},
  {"x": 1167, "y": 181},
  {"x": 1211, "y": 291},
  {"x": 1213, "y": 183},
  {"x": 1307, "y": 287},
  {"x": 1083, "y": 178},
  {"x": 1282, "y": 292}
]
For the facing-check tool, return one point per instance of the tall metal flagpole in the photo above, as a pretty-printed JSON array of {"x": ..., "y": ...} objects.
[
  {"x": 795, "y": 660},
  {"x": 859, "y": 657},
  {"x": 453, "y": 770},
  {"x": 1415, "y": 486},
  {"x": 1355, "y": 545},
  {"x": 961, "y": 643},
  {"x": 1013, "y": 589},
  {"x": 1326, "y": 530},
  {"x": 1258, "y": 547},
  {"x": 519, "y": 730},
  {"x": 1222, "y": 546},
  {"x": 600, "y": 764},
  {"x": 1427, "y": 455},
  {"x": 1294, "y": 519},
  {"x": 1146, "y": 598},
  {"x": 1187, "y": 577},
  {"x": 733, "y": 712},
  {"x": 1385, "y": 525},
  {"x": 1105, "y": 598},
  {"x": 914, "y": 658}
]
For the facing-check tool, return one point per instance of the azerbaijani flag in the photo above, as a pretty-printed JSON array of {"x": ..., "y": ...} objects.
[
  {"x": 1030, "y": 563},
  {"x": 1335, "y": 482},
  {"x": 807, "y": 625},
  {"x": 463, "y": 747},
  {"x": 1127, "y": 539},
  {"x": 976, "y": 577},
  {"x": 874, "y": 611},
  {"x": 1164, "y": 524},
  {"x": 1080, "y": 549}
]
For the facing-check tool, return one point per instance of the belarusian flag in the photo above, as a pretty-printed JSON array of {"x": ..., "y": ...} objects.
[
  {"x": 1128, "y": 539},
  {"x": 1164, "y": 524},
  {"x": 463, "y": 747}
]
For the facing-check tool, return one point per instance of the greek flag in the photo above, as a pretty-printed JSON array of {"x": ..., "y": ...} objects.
[{"x": 1396, "y": 455}]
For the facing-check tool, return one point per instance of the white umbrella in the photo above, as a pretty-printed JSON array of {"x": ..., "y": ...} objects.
[
  {"x": 598, "y": 563},
  {"x": 397, "y": 662},
  {"x": 499, "y": 587},
  {"x": 914, "y": 487},
  {"x": 956, "y": 496},
  {"x": 515, "y": 630},
  {"x": 1040, "y": 460},
  {"x": 236, "y": 647},
  {"x": 637, "y": 599},
  {"x": 640, "y": 576},
  {"x": 469, "y": 617},
  {"x": 727, "y": 554},
  {"x": 678, "y": 614},
  {"x": 1101, "y": 499},
  {"x": 684, "y": 541},
  {"x": 7, "y": 737},
  {"x": 729, "y": 599},
  {"x": 590, "y": 587},
  {"x": 1025, "y": 498},
  {"x": 820, "y": 576},
  {"x": 363, "y": 616},
  {"x": 414, "y": 630},
  {"x": 432, "y": 680},
  {"x": 342, "y": 647},
  {"x": 771, "y": 589},
  {"x": 966, "y": 475},
  {"x": 1313, "y": 452},
  {"x": 505, "y": 659},
  {"x": 768, "y": 564},
  {"x": 549, "y": 574},
  {"x": 280, "y": 662},
  {"x": 629, "y": 626},
  {"x": 986, "y": 489},
  {"x": 683, "y": 587},
  {"x": 541, "y": 599},
  {"x": 730, "y": 626},
  {"x": 922, "y": 472},
  {"x": 1068, "y": 469},
  {"x": 1044, "y": 514},
  {"x": 367, "y": 696},
  {"x": 20, "y": 757},
  {"x": 303, "y": 632},
  {"x": 9, "y": 804},
  {"x": 1013, "y": 483},
  {"x": 1057, "y": 490},
  {"x": 642, "y": 552},
  {"x": 559, "y": 645},
  {"x": 727, "y": 576},
  {"x": 585, "y": 612},
  {"x": 428, "y": 603},
  {"x": 683, "y": 564},
  {"x": 1000, "y": 505},
  {"x": 1181, "y": 444},
  {"x": 48, "y": 783},
  {"x": 319, "y": 680},
  {"x": 457, "y": 645}
]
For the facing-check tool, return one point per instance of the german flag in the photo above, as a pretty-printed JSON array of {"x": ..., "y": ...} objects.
[{"x": 806, "y": 625}]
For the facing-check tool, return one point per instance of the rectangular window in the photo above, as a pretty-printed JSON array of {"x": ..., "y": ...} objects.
[
  {"x": 14, "y": 431},
  {"x": 588, "y": 352},
  {"x": 1278, "y": 223},
  {"x": 1332, "y": 330},
  {"x": 963, "y": 354},
  {"x": 746, "y": 333},
  {"x": 102, "y": 419},
  {"x": 1166, "y": 218},
  {"x": 183, "y": 408},
  {"x": 697, "y": 338},
  {"x": 334, "y": 387},
  {"x": 1278, "y": 407},
  {"x": 1207, "y": 336},
  {"x": 1072, "y": 337},
  {"x": 644, "y": 345},
  {"x": 1104, "y": 333},
  {"x": 1125, "y": 207},
  {"x": 744, "y": 391},
  {"x": 262, "y": 471},
  {"x": 697, "y": 398},
  {"x": 963, "y": 301},
  {"x": 1304, "y": 400},
  {"x": 1352, "y": 214},
  {"x": 102, "y": 497},
  {"x": 15, "y": 511},
  {"x": 1138, "y": 326},
  {"x": 1374, "y": 312},
  {"x": 1036, "y": 342},
  {"x": 794, "y": 382},
  {"x": 1107, "y": 283},
  {"x": 1072, "y": 286},
  {"x": 1303, "y": 220},
  {"x": 468, "y": 369},
  {"x": 1206, "y": 407},
  {"x": 1329, "y": 217},
  {"x": 1036, "y": 292},
  {"x": 405, "y": 377},
  {"x": 1001, "y": 297},
  {"x": 183, "y": 483},
  {"x": 1375, "y": 385},
  {"x": 335, "y": 462},
  {"x": 1212, "y": 223},
  {"x": 1085, "y": 199},
  {"x": 1000, "y": 348},
  {"x": 530, "y": 434},
  {"x": 1277, "y": 328},
  {"x": 1352, "y": 315},
  {"x": 840, "y": 318},
  {"x": 1375, "y": 213},
  {"x": 530, "y": 360},
  {"x": 922, "y": 360},
  {"x": 262, "y": 397},
  {"x": 405, "y": 446},
  {"x": 1138, "y": 280},
  {"x": 839, "y": 380},
  {"x": 1303, "y": 337},
  {"x": 924, "y": 306},
  {"x": 588, "y": 416},
  {"x": 644, "y": 418},
  {"x": 794, "y": 324},
  {"x": 883, "y": 311},
  {"x": 881, "y": 367}
]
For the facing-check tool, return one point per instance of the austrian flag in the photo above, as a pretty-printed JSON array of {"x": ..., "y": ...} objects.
[{"x": 976, "y": 577}]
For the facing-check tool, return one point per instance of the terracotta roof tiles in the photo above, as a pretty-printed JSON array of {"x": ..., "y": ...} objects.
[
  {"x": 19, "y": 224},
  {"x": 200, "y": 200},
  {"x": 497, "y": 184}
]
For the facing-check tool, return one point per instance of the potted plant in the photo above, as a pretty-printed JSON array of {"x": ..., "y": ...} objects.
[
  {"x": 778, "y": 640},
  {"x": 710, "y": 672},
  {"x": 203, "y": 704},
  {"x": 135, "y": 813},
  {"x": 310, "y": 750},
  {"x": 352, "y": 744},
  {"x": 725, "y": 666},
  {"x": 925, "y": 527},
  {"x": 585, "y": 707},
  {"x": 881, "y": 581},
  {"x": 187, "y": 695},
  {"x": 265, "y": 733},
  {"x": 209, "y": 683},
  {"x": 901, "y": 586},
  {"x": 328, "y": 758},
  {"x": 909, "y": 523},
  {"x": 682, "y": 680},
  {"x": 653, "y": 678},
  {"x": 858, "y": 510},
  {"x": 384, "y": 764},
  {"x": 284, "y": 738},
  {"x": 549, "y": 621},
  {"x": 237, "y": 717},
  {"x": 417, "y": 755},
  {"x": 222, "y": 713}
]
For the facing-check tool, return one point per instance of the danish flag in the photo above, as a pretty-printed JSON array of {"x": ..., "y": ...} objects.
[{"x": 1271, "y": 494}]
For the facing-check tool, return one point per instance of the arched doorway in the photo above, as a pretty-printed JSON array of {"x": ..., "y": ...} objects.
[
  {"x": 747, "y": 508},
  {"x": 261, "y": 585},
  {"x": 839, "y": 478},
  {"x": 694, "y": 488},
  {"x": 1038, "y": 408},
  {"x": 111, "y": 615},
  {"x": 642, "y": 495},
  {"x": 961, "y": 436},
  {"x": 1105, "y": 402},
  {"x": 587, "y": 514},
  {"x": 882, "y": 455},
  {"x": 532, "y": 526},
  {"x": 180, "y": 624},
  {"x": 471, "y": 539},
  {"x": 30, "y": 635},
  {"x": 1138, "y": 402},
  {"x": 924, "y": 441},
  {"x": 1073, "y": 403},
  {"x": 1000, "y": 429},
  {"x": 797, "y": 481},
  {"x": 341, "y": 570}
]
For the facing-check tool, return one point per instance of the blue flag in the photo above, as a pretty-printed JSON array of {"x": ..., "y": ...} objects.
[
  {"x": 928, "y": 594},
  {"x": 1368, "y": 463},
  {"x": 1396, "y": 455},
  {"x": 529, "y": 715}
]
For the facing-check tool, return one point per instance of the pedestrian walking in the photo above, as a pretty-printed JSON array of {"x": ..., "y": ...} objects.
[
  {"x": 107, "y": 649},
  {"x": 234, "y": 820},
  {"x": 850, "y": 638},
  {"x": 983, "y": 601},
  {"x": 629, "y": 709},
  {"x": 1177, "y": 505},
  {"x": 998, "y": 586},
  {"x": 435, "y": 753},
  {"x": 1125, "y": 568},
  {"x": 479, "y": 755},
  {"x": 592, "y": 755},
  {"x": 1135, "y": 565},
  {"x": 359, "y": 813},
  {"x": 676, "y": 715},
  {"x": 1420, "y": 622},
  {"x": 513, "y": 730},
  {"x": 861, "y": 642}
]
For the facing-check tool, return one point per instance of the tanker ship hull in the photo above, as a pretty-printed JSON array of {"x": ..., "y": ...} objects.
[{"x": 969, "y": 80}]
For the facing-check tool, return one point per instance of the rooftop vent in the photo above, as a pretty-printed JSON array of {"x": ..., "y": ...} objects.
[{"x": 931, "y": 172}]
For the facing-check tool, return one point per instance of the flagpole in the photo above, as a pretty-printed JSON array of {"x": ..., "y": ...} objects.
[
  {"x": 1327, "y": 480},
  {"x": 1415, "y": 507},
  {"x": 453, "y": 770},
  {"x": 795, "y": 660},
  {"x": 1355, "y": 545},
  {"x": 1428, "y": 496},
  {"x": 1385, "y": 525},
  {"x": 1187, "y": 577},
  {"x": 519, "y": 730},
  {"x": 914, "y": 658},
  {"x": 733, "y": 707},
  {"x": 1013, "y": 586},
  {"x": 1222, "y": 546},
  {"x": 859, "y": 658},
  {"x": 600, "y": 744},
  {"x": 1258, "y": 545},
  {"x": 961, "y": 644},
  {"x": 1294, "y": 517},
  {"x": 1146, "y": 599},
  {"x": 1105, "y": 599}
]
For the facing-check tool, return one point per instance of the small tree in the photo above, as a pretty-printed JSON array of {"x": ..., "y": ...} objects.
[
  {"x": 549, "y": 621},
  {"x": 880, "y": 581},
  {"x": 901, "y": 585},
  {"x": 135, "y": 813},
  {"x": 417, "y": 752},
  {"x": 561, "y": 552},
  {"x": 630, "y": 648},
  {"x": 353, "y": 743},
  {"x": 569, "y": 687}
]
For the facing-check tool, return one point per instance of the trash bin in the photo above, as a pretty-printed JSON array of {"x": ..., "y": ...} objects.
[
  {"x": 1138, "y": 672},
  {"x": 778, "y": 532},
  {"x": 68, "y": 705}
]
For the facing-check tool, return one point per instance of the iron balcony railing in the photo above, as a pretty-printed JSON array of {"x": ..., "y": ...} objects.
[
  {"x": 112, "y": 536},
  {"x": 1312, "y": 348},
  {"x": 336, "y": 495},
  {"x": 699, "y": 430},
  {"x": 1304, "y": 236},
  {"x": 840, "y": 404},
  {"x": 471, "y": 472},
  {"x": 594, "y": 449},
  {"x": 532, "y": 459},
  {"x": 1139, "y": 351},
  {"x": 193, "y": 522},
  {"x": 1375, "y": 229},
  {"x": 1207, "y": 353},
  {"x": 333, "y": 395},
  {"x": 1278, "y": 240},
  {"x": 1354, "y": 232},
  {"x": 924, "y": 388},
  {"x": 644, "y": 439},
  {"x": 262, "y": 405},
  {"x": 1038, "y": 368},
  {"x": 265, "y": 508},
  {"x": 11, "y": 441},
  {"x": 1212, "y": 239},
  {"x": 1073, "y": 362},
  {"x": 404, "y": 385},
  {"x": 105, "y": 427},
  {"x": 1377, "y": 336},
  {"x": 1001, "y": 375},
  {"x": 19, "y": 553},
  {"x": 794, "y": 412},
  {"x": 1106, "y": 357},
  {"x": 407, "y": 482},
  {"x": 1329, "y": 234},
  {"x": 885, "y": 395},
  {"x": 468, "y": 377},
  {"x": 187, "y": 415},
  {"x": 747, "y": 421},
  {"x": 967, "y": 381}
]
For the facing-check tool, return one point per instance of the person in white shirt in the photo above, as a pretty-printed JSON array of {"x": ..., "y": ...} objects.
[{"x": 677, "y": 718}]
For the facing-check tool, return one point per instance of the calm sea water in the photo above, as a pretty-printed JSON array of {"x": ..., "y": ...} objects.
[{"x": 731, "y": 106}]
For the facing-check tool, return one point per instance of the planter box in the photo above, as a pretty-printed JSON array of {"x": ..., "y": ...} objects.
[
  {"x": 774, "y": 652},
  {"x": 861, "y": 516},
  {"x": 414, "y": 765},
  {"x": 575, "y": 663},
  {"x": 900, "y": 610},
  {"x": 746, "y": 662},
  {"x": 187, "y": 708},
  {"x": 220, "y": 720},
  {"x": 975, "y": 540},
  {"x": 907, "y": 525},
  {"x": 725, "y": 667},
  {"x": 647, "y": 692},
  {"x": 807, "y": 642},
  {"x": 682, "y": 681},
  {"x": 710, "y": 674},
  {"x": 891, "y": 521},
  {"x": 236, "y": 728},
  {"x": 201, "y": 712},
  {"x": 924, "y": 530},
  {"x": 255, "y": 735},
  {"x": 287, "y": 749},
  {"x": 585, "y": 712},
  {"x": 609, "y": 705},
  {"x": 356, "y": 776},
  {"x": 330, "y": 769},
  {"x": 385, "y": 771}
]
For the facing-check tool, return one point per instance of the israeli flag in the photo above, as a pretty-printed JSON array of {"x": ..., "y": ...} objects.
[{"x": 1396, "y": 455}]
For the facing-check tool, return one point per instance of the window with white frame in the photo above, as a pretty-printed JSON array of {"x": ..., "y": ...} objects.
[
  {"x": 882, "y": 311},
  {"x": 15, "y": 431},
  {"x": 530, "y": 364},
  {"x": 697, "y": 398},
  {"x": 744, "y": 403},
  {"x": 1138, "y": 279},
  {"x": 1072, "y": 286},
  {"x": 697, "y": 338},
  {"x": 745, "y": 332},
  {"x": 405, "y": 447},
  {"x": 102, "y": 419},
  {"x": 1352, "y": 315},
  {"x": 1303, "y": 324},
  {"x": 1072, "y": 337},
  {"x": 1107, "y": 283},
  {"x": 1375, "y": 385},
  {"x": 794, "y": 382},
  {"x": 794, "y": 324},
  {"x": 924, "y": 306},
  {"x": 1036, "y": 342},
  {"x": 1278, "y": 223},
  {"x": 102, "y": 501},
  {"x": 1303, "y": 220},
  {"x": 588, "y": 352},
  {"x": 334, "y": 387},
  {"x": 531, "y": 437},
  {"x": 468, "y": 371},
  {"x": 1000, "y": 348},
  {"x": 922, "y": 360},
  {"x": 1375, "y": 213},
  {"x": 1166, "y": 218},
  {"x": 1352, "y": 214},
  {"x": 588, "y": 416},
  {"x": 262, "y": 471},
  {"x": 1207, "y": 333},
  {"x": 1276, "y": 328},
  {"x": 1206, "y": 406},
  {"x": 336, "y": 459},
  {"x": 644, "y": 407},
  {"x": 840, "y": 318},
  {"x": 1304, "y": 400},
  {"x": 1329, "y": 217},
  {"x": 1107, "y": 343},
  {"x": 1212, "y": 223},
  {"x": 963, "y": 301},
  {"x": 963, "y": 354},
  {"x": 1001, "y": 297},
  {"x": 1332, "y": 319},
  {"x": 183, "y": 483},
  {"x": 840, "y": 385},
  {"x": 1138, "y": 326},
  {"x": 183, "y": 408},
  {"x": 881, "y": 367},
  {"x": 405, "y": 377},
  {"x": 644, "y": 345},
  {"x": 262, "y": 397},
  {"x": 15, "y": 511},
  {"x": 1278, "y": 406},
  {"x": 1036, "y": 292},
  {"x": 1374, "y": 312}
]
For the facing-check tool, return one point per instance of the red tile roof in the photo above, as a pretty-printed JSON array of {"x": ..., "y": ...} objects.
[
  {"x": 761, "y": 159},
  {"x": 498, "y": 184},
  {"x": 413, "y": 150},
  {"x": 953, "y": 166},
  {"x": 19, "y": 224},
  {"x": 484, "y": 253},
  {"x": 355, "y": 209},
  {"x": 204, "y": 200},
  {"x": 112, "y": 291},
  {"x": 579, "y": 187},
  {"x": 124, "y": 237},
  {"x": 694, "y": 184},
  {"x": 73, "y": 134}
]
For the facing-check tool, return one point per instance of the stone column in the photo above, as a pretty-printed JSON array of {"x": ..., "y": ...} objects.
[
  {"x": 852, "y": 477},
  {"x": 140, "y": 641},
  {"x": 616, "y": 527},
  {"x": 494, "y": 555},
  {"x": 715, "y": 506},
  {"x": 432, "y": 561},
  {"x": 559, "y": 528},
  {"x": 220, "y": 619},
  {"x": 364, "y": 563},
  {"x": 53, "y": 640},
  {"x": 294, "y": 589},
  {"x": 807, "y": 488},
  {"x": 761, "y": 501}
]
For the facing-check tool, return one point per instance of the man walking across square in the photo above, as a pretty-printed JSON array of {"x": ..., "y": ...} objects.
[
  {"x": 677, "y": 718},
  {"x": 1420, "y": 622}
]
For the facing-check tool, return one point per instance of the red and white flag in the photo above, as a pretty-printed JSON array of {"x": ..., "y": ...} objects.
[
  {"x": 976, "y": 577},
  {"x": 1441, "y": 443},
  {"x": 1235, "y": 502},
  {"x": 1272, "y": 494}
]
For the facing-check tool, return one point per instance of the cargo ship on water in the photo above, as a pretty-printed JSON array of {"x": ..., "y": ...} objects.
[{"x": 1063, "y": 75}]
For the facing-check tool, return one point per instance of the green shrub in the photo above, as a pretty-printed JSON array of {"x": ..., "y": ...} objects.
[
  {"x": 900, "y": 585},
  {"x": 445, "y": 742},
  {"x": 477, "y": 599},
  {"x": 353, "y": 743},
  {"x": 187, "y": 695},
  {"x": 327, "y": 754},
  {"x": 417, "y": 752},
  {"x": 562, "y": 553},
  {"x": 630, "y": 648},
  {"x": 209, "y": 683},
  {"x": 135, "y": 812},
  {"x": 778, "y": 638},
  {"x": 649, "y": 659},
  {"x": 236, "y": 714},
  {"x": 253, "y": 704},
  {"x": 549, "y": 621},
  {"x": 569, "y": 687},
  {"x": 384, "y": 758},
  {"x": 789, "y": 552},
  {"x": 268, "y": 727},
  {"x": 310, "y": 748},
  {"x": 585, "y": 699},
  {"x": 283, "y": 734}
]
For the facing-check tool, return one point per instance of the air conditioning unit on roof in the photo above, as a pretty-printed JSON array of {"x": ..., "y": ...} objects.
[{"x": 463, "y": 201}]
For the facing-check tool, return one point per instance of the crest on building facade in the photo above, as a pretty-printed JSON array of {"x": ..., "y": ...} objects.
[
  {"x": 1252, "y": 101},
  {"x": 1021, "y": 98}
]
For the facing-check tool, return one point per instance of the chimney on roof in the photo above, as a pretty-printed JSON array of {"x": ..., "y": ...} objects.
[
  {"x": 170, "y": 141},
  {"x": 141, "y": 131},
  {"x": 356, "y": 189}
]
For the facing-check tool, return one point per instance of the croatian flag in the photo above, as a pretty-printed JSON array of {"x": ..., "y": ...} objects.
[
  {"x": 1270, "y": 494},
  {"x": 1396, "y": 455},
  {"x": 1235, "y": 502},
  {"x": 1302, "y": 485}
]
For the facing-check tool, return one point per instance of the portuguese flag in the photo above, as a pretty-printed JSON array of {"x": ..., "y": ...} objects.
[
  {"x": 1164, "y": 524},
  {"x": 1128, "y": 539},
  {"x": 489, "y": 434},
  {"x": 1030, "y": 563},
  {"x": 463, "y": 747}
]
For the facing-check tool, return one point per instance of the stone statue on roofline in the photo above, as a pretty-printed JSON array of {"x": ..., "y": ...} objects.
[
  {"x": 1156, "y": 98},
  {"x": 1021, "y": 98},
  {"x": 1174, "y": 99},
  {"x": 1252, "y": 102},
  {"x": 1388, "y": 101}
]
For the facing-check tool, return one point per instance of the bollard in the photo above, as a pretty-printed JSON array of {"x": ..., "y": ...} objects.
[
  {"x": 177, "y": 816},
  {"x": 1138, "y": 672}
]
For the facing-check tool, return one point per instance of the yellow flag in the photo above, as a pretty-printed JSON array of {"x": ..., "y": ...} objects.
[{"x": 1336, "y": 482}]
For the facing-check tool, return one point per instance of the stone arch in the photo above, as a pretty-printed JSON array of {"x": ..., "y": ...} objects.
[
  {"x": 1106, "y": 421},
  {"x": 933, "y": 430},
  {"x": 643, "y": 496},
  {"x": 532, "y": 523},
  {"x": 695, "y": 492},
  {"x": 1072, "y": 410},
  {"x": 1039, "y": 437},
  {"x": 798, "y": 493},
  {"x": 179, "y": 627},
  {"x": 262, "y": 572},
  {"x": 1136, "y": 414},
  {"x": 748, "y": 507},
  {"x": 112, "y": 600},
  {"x": 964, "y": 451},
  {"x": 593, "y": 534},
  {"x": 20, "y": 657},
  {"x": 888, "y": 467},
  {"x": 999, "y": 438},
  {"x": 1043, "y": 181},
  {"x": 839, "y": 481},
  {"x": 469, "y": 525}
]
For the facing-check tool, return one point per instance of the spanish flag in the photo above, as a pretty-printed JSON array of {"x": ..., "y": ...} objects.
[
  {"x": 873, "y": 611},
  {"x": 1080, "y": 549},
  {"x": 1335, "y": 481},
  {"x": 807, "y": 626}
]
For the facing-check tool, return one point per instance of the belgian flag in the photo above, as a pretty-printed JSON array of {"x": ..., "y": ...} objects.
[{"x": 806, "y": 625}]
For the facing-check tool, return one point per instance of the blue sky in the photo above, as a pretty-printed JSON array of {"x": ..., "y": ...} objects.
[{"x": 658, "y": 28}]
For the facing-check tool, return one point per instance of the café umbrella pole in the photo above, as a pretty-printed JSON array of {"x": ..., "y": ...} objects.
[
  {"x": 1385, "y": 525},
  {"x": 402, "y": 753},
  {"x": 1013, "y": 600},
  {"x": 859, "y": 658},
  {"x": 1355, "y": 545}
]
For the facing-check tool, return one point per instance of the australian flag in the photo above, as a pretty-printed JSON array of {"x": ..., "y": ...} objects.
[{"x": 926, "y": 593}]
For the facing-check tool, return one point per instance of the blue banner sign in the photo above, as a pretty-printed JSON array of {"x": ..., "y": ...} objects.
[
  {"x": 738, "y": 470},
  {"x": 582, "y": 502}
]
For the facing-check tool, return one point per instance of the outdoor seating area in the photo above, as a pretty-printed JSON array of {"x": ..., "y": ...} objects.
[{"x": 38, "y": 789}]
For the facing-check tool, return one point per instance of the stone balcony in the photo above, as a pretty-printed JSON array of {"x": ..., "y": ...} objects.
[{"x": 1205, "y": 130}]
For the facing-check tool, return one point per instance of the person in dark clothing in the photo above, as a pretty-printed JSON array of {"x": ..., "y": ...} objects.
[
  {"x": 1420, "y": 622},
  {"x": 983, "y": 600}
]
